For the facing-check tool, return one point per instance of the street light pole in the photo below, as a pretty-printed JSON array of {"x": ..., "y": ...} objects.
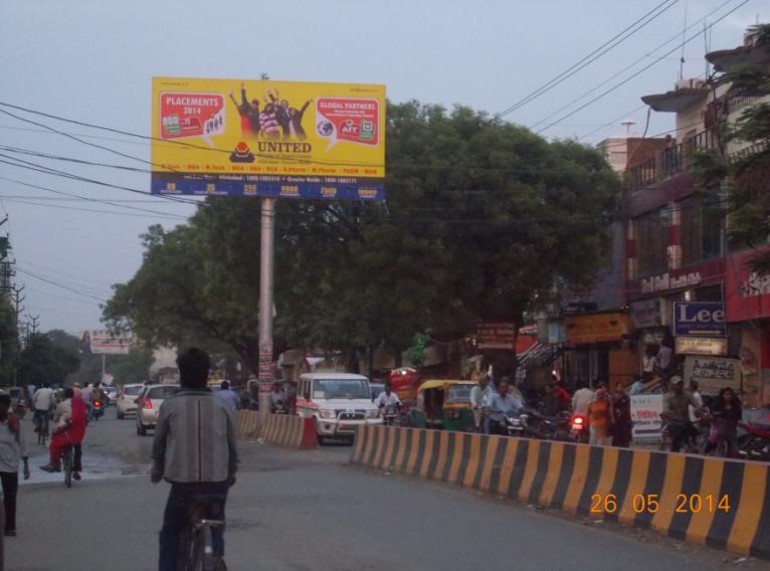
[{"x": 266, "y": 268}]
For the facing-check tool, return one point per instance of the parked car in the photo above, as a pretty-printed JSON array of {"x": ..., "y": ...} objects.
[
  {"x": 148, "y": 403},
  {"x": 126, "y": 401}
]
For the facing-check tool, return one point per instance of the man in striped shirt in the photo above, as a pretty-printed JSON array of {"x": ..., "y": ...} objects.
[{"x": 194, "y": 450}]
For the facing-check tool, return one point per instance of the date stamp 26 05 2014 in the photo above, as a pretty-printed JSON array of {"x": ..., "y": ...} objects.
[{"x": 651, "y": 504}]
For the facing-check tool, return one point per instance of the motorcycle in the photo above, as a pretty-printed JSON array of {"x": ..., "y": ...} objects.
[
  {"x": 548, "y": 428},
  {"x": 754, "y": 443},
  {"x": 579, "y": 429},
  {"x": 99, "y": 406},
  {"x": 279, "y": 408},
  {"x": 391, "y": 415},
  {"x": 516, "y": 425}
]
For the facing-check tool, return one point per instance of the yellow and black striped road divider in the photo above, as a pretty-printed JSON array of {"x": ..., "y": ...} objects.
[
  {"x": 247, "y": 423},
  {"x": 708, "y": 501},
  {"x": 290, "y": 431}
]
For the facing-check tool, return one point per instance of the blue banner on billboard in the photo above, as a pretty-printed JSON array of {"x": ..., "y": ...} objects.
[
  {"x": 699, "y": 318},
  {"x": 320, "y": 188}
]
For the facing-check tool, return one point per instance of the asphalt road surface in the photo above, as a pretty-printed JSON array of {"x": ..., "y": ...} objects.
[{"x": 311, "y": 510}]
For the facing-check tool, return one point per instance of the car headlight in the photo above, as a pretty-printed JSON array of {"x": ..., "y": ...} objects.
[
  {"x": 327, "y": 413},
  {"x": 374, "y": 413}
]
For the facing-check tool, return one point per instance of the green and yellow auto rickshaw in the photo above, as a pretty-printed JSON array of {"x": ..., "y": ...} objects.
[{"x": 444, "y": 404}]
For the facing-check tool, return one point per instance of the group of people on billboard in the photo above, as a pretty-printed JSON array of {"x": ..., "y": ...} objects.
[{"x": 274, "y": 118}]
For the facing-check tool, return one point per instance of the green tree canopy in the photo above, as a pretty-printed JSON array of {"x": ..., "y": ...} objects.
[
  {"x": 484, "y": 220},
  {"x": 44, "y": 361}
]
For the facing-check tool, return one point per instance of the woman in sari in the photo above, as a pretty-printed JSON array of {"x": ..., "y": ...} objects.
[{"x": 69, "y": 434}]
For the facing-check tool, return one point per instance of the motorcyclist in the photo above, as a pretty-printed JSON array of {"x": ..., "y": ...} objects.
[
  {"x": 388, "y": 400},
  {"x": 502, "y": 405},
  {"x": 677, "y": 414}
]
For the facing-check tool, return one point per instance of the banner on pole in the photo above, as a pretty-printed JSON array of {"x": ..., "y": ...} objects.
[{"x": 268, "y": 138}]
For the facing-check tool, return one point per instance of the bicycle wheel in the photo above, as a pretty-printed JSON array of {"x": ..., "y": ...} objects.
[
  {"x": 67, "y": 467},
  {"x": 204, "y": 549}
]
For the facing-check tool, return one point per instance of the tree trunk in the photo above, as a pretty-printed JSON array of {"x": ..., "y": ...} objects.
[{"x": 353, "y": 365}]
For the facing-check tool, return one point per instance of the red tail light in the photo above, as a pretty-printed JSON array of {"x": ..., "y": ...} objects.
[
  {"x": 147, "y": 403},
  {"x": 97, "y": 403},
  {"x": 577, "y": 420}
]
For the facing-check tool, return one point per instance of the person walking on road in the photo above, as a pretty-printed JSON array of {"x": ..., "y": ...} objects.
[
  {"x": 229, "y": 396},
  {"x": 600, "y": 418},
  {"x": 676, "y": 412},
  {"x": 479, "y": 402},
  {"x": 621, "y": 417},
  {"x": 581, "y": 400},
  {"x": 194, "y": 450},
  {"x": 13, "y": 447}
]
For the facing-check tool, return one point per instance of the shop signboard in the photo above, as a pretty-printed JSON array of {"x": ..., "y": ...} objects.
[
  {"x": 713, "y": 346},
  {"x": 645, "y": 414},
  {"x": 648, "y": 314},
  {"x": 699, "y": 318},
  {"x": 747, "y": 293},
  {"x": 594, "y": 328},
  {"x": 712, "y": 373},
  {"x": 496, "y": 335}
]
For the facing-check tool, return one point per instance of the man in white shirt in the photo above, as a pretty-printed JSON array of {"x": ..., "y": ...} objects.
[
  {"x": 388, "y": 399},
  {"x": 581, "y": 399},
  {"x": 42, "y": 402},
  {"x": 12, "y": 449},
  {"x": 277, "y": 397},
  {"x": 698, "y": 398},
  {"x": 479, "y": 400}
]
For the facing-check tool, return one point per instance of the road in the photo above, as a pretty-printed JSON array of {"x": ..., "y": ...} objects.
[{"x": 293, "y": 510}]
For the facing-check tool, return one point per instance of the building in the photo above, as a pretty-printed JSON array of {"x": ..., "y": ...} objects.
[{"x": 676, "y": 248}]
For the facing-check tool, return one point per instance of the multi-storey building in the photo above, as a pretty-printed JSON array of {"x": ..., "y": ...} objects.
[{"x": 676, "y": 248}]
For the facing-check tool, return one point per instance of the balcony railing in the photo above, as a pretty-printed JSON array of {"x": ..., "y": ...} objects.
[{"x": 673, "y": 160}]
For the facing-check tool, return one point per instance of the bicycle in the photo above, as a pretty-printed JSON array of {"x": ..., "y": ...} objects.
[
  {"x": 41, "y": 427},
  {"x": 197, "y": 544}
]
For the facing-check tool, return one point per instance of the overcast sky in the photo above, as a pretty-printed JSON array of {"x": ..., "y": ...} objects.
[{"x": 92, "y": 60}]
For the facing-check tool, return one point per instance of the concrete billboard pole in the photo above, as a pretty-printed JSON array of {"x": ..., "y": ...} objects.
[{"x": 266, "y": 268}]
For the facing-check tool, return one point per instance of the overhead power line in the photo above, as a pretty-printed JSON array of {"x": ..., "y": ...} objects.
[
  {"x": 607, "y": 46},
  {"x": 620, "y": 72},
  {"x": 638, "y": 73}
]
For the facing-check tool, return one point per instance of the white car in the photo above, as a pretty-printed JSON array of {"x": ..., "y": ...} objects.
[
  {"x": 126, "y": 401},
  {"x": 149, "y": 402},
  {"x": 337, "y": 402}
]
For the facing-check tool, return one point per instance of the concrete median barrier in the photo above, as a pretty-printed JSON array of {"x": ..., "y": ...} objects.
[
  {"x": 708, "y": 501},
  {"x": 290, "y": 431},
  {"x": 247, "y": 423}
]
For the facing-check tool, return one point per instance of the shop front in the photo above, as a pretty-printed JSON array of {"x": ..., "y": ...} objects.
[
  {"x": 748, "y": 314},
  {"x": 597, "y": 348}
]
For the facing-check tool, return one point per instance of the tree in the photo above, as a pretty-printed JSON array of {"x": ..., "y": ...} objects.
[
  {"x": 484, "y": 220},
  {"x": 9, "y": 344},
  {"x": 739, "y": 165},
  {"x": 43, "y": 361}
]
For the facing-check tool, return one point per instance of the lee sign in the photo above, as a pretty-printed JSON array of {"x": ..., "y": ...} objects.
[{"x": 699, "y": 318}]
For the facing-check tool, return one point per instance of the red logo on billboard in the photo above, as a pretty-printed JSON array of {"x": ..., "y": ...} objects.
[
  {"x": 242, "y": 154},
  {"x": 348, "y": 119},
  {"x": 184, "y": 115}
]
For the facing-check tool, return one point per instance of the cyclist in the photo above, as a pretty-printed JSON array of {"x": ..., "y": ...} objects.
[
  {"x": 194, "y": 449},
  {"x": 67, "y": 435},
  {"x": 42, "y": 403}
]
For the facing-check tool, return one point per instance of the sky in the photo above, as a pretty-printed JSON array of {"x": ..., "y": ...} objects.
[{"x": 93, "y": 60}]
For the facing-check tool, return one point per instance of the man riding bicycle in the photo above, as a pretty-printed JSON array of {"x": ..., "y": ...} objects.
[
  {"x": 42, "y": 402},
  {"x": 194, "y": 449}
]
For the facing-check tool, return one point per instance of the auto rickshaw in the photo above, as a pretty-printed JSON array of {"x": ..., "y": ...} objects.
[{"x": 444, "y": 404}]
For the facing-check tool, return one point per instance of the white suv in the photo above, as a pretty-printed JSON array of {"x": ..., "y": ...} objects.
[{"x": 338, "y": 402}]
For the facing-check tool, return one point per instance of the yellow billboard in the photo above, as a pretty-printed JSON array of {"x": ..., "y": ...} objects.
[{"x": 268, "y": 138}]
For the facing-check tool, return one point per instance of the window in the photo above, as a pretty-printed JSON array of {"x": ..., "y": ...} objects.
[
  {"x": 702, "y": 230},
  {"x": 652, "y": 240},
  {"x": 160, "y": 393}
]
